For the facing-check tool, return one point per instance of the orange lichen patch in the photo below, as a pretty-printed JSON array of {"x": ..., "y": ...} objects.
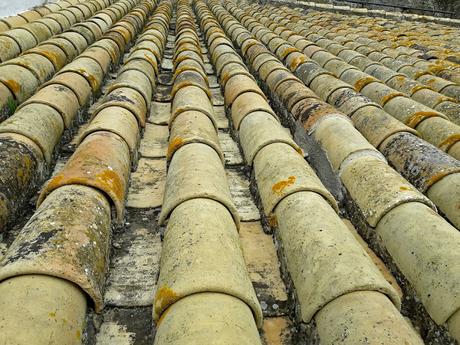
[
  {"x": 213, "y": 30},
  {"x": 13, "y": 85},
  {"x": 442, "y": 99},
  {"x": 181, "y": 69},
  {"x": 184, "y": 57},
  {"x": 436, "y": 177},
  {"x": 418, "y": 88},
  {"x": 414, "y": 120},
  {"x": 225, "y": 77},
  {"x": 151, "y": 61},
  {"x": 422, "y": 73},
  {"x": 389, "y": 97},
  {"x": 107, "y": 178},
  {"x": 125, "y": 33},
  {"x": 280, "y": 186},
  {"x": 56, "y": 181},
  {"x": 179, "y": 85},
  {"x": 50, "y": 55},
  {"x": 363, "y": 82},
  {"x": 437, "y": 67},
  {"x": 447, "y": 143},
  {"x": 113, "y": 181},
  {"x": 91, "y": 79},
  {"x": 174, "y": 145},
  {"x": 101, "y": 161},
  {"x": 164, "y": 297},
  {"x": 288, "y": 51},
  {"x": 153, "y": 51},
  {"x": 187, "y": 47},
  {"x": 297, "y": 62},
  {"x": 250, "y": 44},
  {"x": 317, "y": 110}
]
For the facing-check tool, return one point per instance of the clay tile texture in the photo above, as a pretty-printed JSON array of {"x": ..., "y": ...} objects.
[{"x": 207, "y": 172}]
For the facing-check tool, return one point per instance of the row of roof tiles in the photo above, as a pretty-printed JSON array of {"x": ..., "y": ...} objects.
[
  {"x": 348, "y": 97},
  {"x": 68, "y": 237},
  {"x": 23, "y": 37},
  {"x": 401, "y": 41},
  {"x": 32, "y": 133},
  {"x": 202, "y": 261},
  {"x": 20, "y": 77},
  {"x": 39, "y": 12},
  {"x": 383, "y": 196}
]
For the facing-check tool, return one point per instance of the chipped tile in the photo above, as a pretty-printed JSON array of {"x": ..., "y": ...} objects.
[
  {"x": 147, "y": 184},
  {"x": 278, "y": 331},
  {"x": 134, "y": 267},
  {"x": 230, "y": 148},
  {"x": 239, "y": 189},
  {"x": 262, "y": 261},
  {"x": 160, "y": 113},
  {"x": 155, "y": 141},
  {"x": 221, "y": 117}
]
